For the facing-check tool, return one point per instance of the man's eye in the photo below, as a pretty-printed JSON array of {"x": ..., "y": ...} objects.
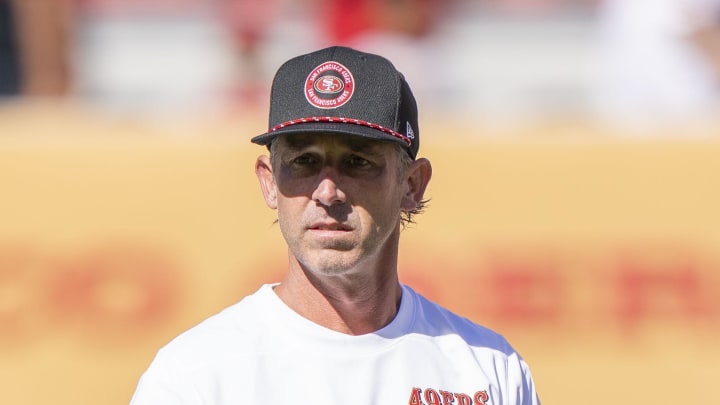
[
  {"x": 357, "y": 161},
  {"x": 304, "y": 160}
]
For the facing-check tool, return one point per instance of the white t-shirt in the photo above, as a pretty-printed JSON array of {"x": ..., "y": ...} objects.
[{"x": 259, "y": 351}]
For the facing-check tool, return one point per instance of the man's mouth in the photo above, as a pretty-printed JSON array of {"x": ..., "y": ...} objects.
[{"x": 329, "y": 226}]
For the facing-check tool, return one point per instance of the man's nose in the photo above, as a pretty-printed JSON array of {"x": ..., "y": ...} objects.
[{"x": 328, "y": 191}]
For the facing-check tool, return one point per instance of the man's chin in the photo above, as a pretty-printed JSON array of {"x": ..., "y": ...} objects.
[{"x": 332, "y": 262}]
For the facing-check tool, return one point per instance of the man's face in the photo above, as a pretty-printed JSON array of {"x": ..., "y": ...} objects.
[{"x": 338, "y": 200}]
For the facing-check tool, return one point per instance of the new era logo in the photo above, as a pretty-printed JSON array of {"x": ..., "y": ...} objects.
[{"x": 409, "y": 130}]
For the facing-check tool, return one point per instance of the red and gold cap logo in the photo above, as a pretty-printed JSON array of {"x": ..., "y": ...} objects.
[{"x": 329, "y": 85}]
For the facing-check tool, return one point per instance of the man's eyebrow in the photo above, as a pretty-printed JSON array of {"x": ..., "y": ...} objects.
[
  {"x": 355, "y": 144},
  {"x": 364, "y": 146},
  {"x": 298, "y": 142}
]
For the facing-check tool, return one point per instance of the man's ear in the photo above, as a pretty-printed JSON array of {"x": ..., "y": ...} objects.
[
  {"x": 264, "y": 172},
  {"x": 418, "y": 177}
]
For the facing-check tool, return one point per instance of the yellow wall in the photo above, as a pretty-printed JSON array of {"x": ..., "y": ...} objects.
[{"x": 597, "y": 257}]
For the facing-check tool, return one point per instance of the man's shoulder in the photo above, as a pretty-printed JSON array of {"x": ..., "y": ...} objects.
[
  {"x": 238, "y": 325},
  {"x": 436, "y": 320}
]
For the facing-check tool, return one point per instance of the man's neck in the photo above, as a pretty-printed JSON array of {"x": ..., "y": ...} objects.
[{"x": 350, "y": 305}]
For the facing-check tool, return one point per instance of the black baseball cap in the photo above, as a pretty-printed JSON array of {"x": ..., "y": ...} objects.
[{"x": 340, "y": 90}]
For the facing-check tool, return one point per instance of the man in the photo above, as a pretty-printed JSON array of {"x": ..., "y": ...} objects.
[{"x": 343, "y": 175}]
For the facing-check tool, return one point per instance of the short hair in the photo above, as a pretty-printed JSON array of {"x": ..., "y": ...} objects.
[{"x": 408, "y": 217}]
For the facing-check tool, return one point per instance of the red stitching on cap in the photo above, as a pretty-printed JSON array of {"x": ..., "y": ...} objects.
[{"x": 345, "y": 121}]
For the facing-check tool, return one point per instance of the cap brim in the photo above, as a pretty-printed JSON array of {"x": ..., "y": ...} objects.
[{"x": 327, "y": 128}]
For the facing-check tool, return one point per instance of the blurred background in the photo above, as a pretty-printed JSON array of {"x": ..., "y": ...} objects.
[{"x": 575, "y": 196}]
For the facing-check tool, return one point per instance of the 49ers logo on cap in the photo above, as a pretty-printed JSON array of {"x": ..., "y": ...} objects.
[{"x": 329, "y": 85}]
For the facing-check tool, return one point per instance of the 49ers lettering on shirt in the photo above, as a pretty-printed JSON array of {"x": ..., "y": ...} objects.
[{"x": 430, "y": 396}]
